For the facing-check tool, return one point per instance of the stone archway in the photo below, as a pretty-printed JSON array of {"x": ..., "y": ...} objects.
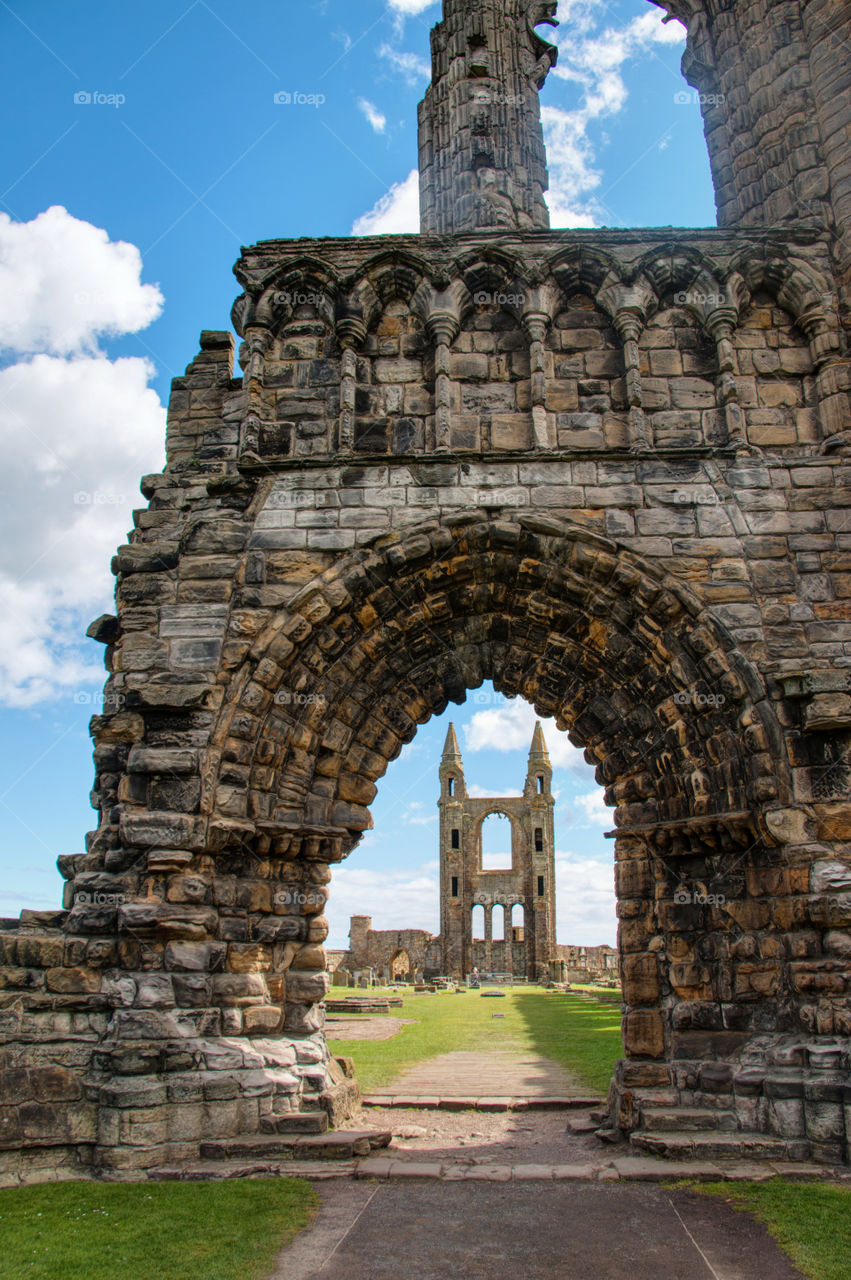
[
  {"x": 633, "y": 666},
  {"x": 400, "y": 967}
]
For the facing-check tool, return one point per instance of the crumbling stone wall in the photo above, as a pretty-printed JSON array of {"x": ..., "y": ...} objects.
[
  {"x": 377, "y": 949},
  {"x": 588, "y": 964},
  {"x": 608, "y": 471}
]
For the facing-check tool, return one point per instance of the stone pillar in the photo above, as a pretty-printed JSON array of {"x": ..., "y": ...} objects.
[
  {"x": 720, "y": 326},
  {"x": 832, "y": 373},
  {"x": 481, "y": 147},
  {"x": 351, "y": 332},
  {"x": 442, "y": 328},
  {"x": 629, "y": 323},
  {"x": 259, "y": 340},
  {"x": 535, "y": 325}
]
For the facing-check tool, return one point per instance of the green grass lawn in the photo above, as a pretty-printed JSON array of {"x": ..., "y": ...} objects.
[
  {"x": 584, "y": 1035},
  {"x": 150, "y": 1231},
  {"x": 812, "y": 1222}
]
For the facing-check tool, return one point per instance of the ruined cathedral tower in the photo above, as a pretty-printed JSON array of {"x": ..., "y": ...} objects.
[
  {"x": 519, "y": 898},
  {"x": 607, "y": 470},
  {"x": 482, "y": 160}
]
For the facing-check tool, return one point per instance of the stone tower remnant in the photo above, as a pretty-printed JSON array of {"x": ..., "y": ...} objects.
[
  {"x": 482, "y": 159},
  {"x": 526, "y": 948}
]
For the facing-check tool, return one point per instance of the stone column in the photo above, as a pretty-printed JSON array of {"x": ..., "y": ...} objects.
[
  {"x": 351, "y": 332},
  {"x": 442, "y": 328},
  {"x": 535, "y": 325},
  {"x": 832, "y": 373},
  {"x": 720, "y": 326},
  {"x": 629, "y": 323},
  {"x": 258, "y": 340}
]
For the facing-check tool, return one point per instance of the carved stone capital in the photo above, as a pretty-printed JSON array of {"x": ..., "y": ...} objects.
[
  {"x": 443, "y": 327},
  {"x": 629, "y": 321},
  {"x": 535, "y": 326},
  {"x": 351, "y": 332}
]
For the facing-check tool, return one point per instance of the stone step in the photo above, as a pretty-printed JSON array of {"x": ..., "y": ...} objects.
[
  {"x": 415, "y": 1102},
  {"x": 295, "y": 1122},
  {"x": 343, "y": 1144},
  {"x": 225, "y": 1170},
  {"x": 687, "y": 1119},
  {"x": 710, "y": 1146}
]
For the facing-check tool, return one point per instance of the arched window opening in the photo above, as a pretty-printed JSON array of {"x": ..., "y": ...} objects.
[
  {"x": 518, "y": 922},
  {"x": 450, "y": 786},
  {"x": 498, "y": 923},
  {"x": 478, "y": 923},
  {"x": 496, "y": 843}
]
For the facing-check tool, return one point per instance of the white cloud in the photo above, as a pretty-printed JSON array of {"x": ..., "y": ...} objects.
[
  {"x": 592, "y": 60},
  {"x": 77, "y": 430},
  {"x": 376, "y": 119},
  {"x": 407, "y": 899},
  {"x": 478, "y": 792},
  {"x": 509, "y": 727},
  {"x": 597, "y": 812},
  {"x": 410, "y": 8},
  {"x": 64, "y": 283},
  {"x": 411, "y": 66},
  {"x": 396, "y": 213},
  {"x": 416, "y": 816},
  {"x": 585, "y": 901}
]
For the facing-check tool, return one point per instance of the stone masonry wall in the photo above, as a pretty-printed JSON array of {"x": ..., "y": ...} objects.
[{"x": 606, "y": 471}]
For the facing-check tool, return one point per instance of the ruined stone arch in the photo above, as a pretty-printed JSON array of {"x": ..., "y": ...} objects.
[
  {"x": 626, "y": 660},
  {"x": 800, "y": 290},
  {"x": 495, "y": 273},
  {"x": 386, "y": 276},
  {"x": 583, "y": 268},
  {"x": 671, "y": 271},
  {"x": 273, "y": 302},
  {"x": 400, "y": 965},
  {"x": 516, "y": 834}
]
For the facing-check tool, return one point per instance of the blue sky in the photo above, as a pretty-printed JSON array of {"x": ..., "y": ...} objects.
[{"x": 153, "y": 136}]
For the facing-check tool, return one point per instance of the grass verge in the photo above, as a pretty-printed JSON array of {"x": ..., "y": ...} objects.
[
  {"x": 150, "y": 1231},
  {"x": 584, "y": 1035},
  {"x": 811, "y": 1221}
]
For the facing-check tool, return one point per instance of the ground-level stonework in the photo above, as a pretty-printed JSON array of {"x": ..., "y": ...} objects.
[{"x": 406, "y": 954}]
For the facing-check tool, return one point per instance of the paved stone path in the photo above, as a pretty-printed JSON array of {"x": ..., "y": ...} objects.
[
  {"x": 495, "y": 1073},
  {"x": 564, "y": 1231}
]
